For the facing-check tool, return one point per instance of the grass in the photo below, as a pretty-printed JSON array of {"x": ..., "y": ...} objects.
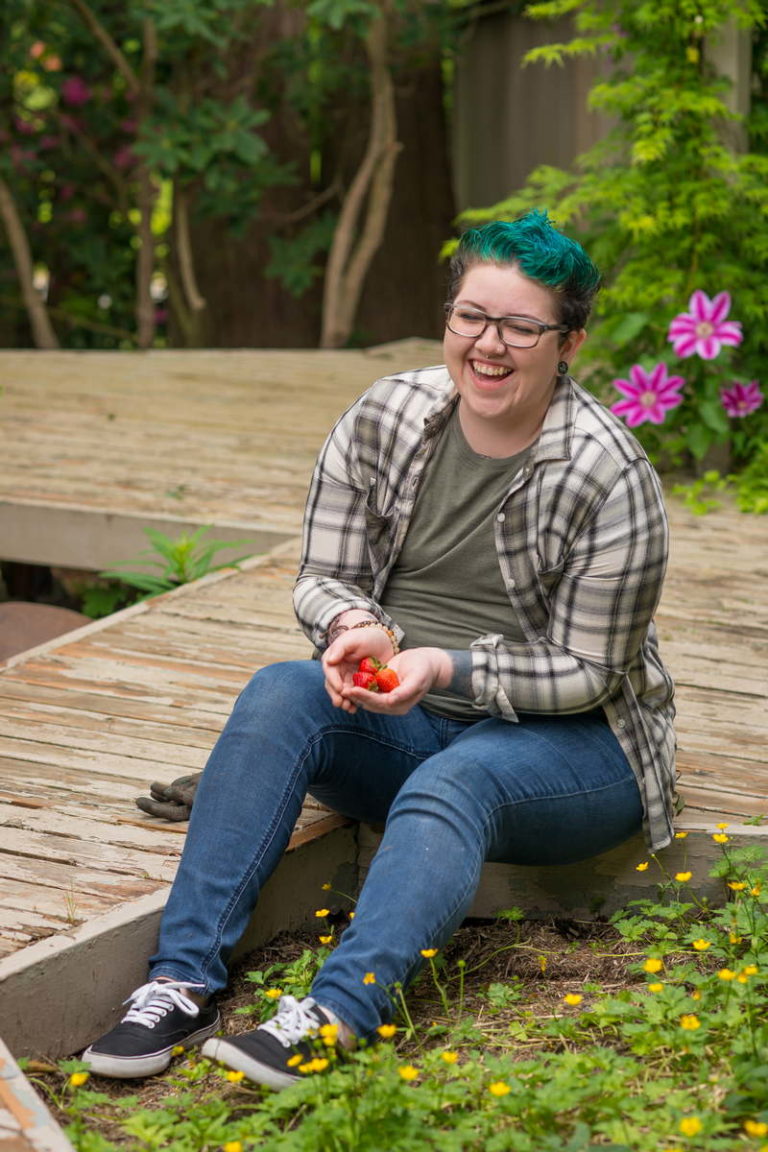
[{"x": 647, "y": 1034}]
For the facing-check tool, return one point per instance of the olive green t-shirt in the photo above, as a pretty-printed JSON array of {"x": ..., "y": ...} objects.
[{"x": 446, "y": 588}]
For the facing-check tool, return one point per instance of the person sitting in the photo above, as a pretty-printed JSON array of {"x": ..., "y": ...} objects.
[{"x": 498, "y": 538}]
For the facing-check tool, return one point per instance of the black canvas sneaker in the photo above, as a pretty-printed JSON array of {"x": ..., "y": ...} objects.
[
  {"x": 299, "y": 1039},
  {"x": 161, "y": 1017}
]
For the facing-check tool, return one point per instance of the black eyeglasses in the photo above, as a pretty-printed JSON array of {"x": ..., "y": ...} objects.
[{"x": 514, "y": 331}]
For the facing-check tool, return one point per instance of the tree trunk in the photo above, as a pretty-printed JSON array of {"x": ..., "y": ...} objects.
[
  {"x": 42, "y": 329},
  {"x": 147, "y": 194},
  {"x": 370, "y": 192}
]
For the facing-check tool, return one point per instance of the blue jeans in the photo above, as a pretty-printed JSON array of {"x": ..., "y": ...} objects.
[{"x": 549, "y": 790}]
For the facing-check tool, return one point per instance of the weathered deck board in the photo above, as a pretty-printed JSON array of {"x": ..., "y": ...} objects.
[{"x": 167, "y": 438}]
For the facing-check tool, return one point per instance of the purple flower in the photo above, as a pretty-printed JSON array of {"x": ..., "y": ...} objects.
[
  {"x": 741, "y": 399},
  {"x": 649, "y": 397},
  {"x": 703, "y": 328},
  {"x": 75, "y": 91}
]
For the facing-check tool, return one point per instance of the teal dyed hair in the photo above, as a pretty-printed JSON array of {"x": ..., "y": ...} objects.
[{"x": 538, "y": 250}]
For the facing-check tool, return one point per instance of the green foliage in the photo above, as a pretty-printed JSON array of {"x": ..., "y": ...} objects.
[
  {"x": 294, "y": 259},
  {"x": 675, "y": 1059},
  {"x": 291, "y": 978},
  {"x": 183, "y": 559},
  {"x": 752, "y": 483},
  {"x": 218, "y": 110},
  {"x": 667, "y": 203}
]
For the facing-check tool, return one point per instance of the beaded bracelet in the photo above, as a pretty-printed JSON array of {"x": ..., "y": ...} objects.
[
  {"x": 334, "y": 632},
  {"x": 378, "y": 624}
]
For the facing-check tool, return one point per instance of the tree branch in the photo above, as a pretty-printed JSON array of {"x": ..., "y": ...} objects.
[
  {"x": 350, "y": 258},
  {"x": 192, "y": 294},
  {"x": 147, "y": 194},
  {"x": 42, "y": 329},
  {"x": 118, "y": 57}
]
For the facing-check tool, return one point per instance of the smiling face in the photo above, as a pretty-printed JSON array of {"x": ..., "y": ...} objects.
[{"x": 505, "y": 392}]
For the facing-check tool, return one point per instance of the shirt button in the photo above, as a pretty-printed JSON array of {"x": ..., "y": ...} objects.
[
  {"x": 622, "y": 724},
  {"x": 501, "y": 517},
  {"x": 511, "y": 584}
]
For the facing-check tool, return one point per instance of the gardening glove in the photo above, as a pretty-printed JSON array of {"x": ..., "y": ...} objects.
[{"x": 171, "y": 801}]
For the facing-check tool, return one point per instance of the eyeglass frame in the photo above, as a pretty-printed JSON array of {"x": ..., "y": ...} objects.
[{"x": 497, "y": 320}]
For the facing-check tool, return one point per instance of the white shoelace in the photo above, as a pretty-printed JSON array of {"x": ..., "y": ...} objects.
[
  {"x": 155, "y": 1000},
  {"x": 293, "y": 1021}
]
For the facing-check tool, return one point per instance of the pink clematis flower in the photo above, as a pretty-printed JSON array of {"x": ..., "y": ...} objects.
[
  {"x": 741, "y": 399},
  {"x": 704, "y": 329},
  {"x": 649, "y": 396}
]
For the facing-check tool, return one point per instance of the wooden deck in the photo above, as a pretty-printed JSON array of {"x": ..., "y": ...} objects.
[
  {"x": 95, "y": 446},
  {"x": 89, "y": 720}
]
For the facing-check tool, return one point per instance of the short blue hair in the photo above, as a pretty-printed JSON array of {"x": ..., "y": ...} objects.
[{"x": 540, "y": 251}]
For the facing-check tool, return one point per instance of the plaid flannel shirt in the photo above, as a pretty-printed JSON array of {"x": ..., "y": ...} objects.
[{"x": 582, "y": 545}]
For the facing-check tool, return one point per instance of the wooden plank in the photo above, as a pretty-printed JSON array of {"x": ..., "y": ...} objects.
[{"x": 26, "y": 1125}]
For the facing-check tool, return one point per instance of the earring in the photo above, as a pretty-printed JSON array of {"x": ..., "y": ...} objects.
[{"x": 562, "y": 368}]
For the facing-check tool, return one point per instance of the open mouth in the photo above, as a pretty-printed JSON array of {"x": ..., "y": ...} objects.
[{"x": 492, "y": 373}]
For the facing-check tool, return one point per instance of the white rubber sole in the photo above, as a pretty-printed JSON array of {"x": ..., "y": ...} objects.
[
  {"x": 136, "y": 1067},
  {"x": 240, "y": 1061}
]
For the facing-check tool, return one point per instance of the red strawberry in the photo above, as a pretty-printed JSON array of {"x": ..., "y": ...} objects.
[
  {"x": 369, "y": 664},
  {"x": 387, "y": 679},
  {"x": 365, "y": 680}
]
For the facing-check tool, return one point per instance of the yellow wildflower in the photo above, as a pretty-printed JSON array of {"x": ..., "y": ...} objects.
[
  {"x": 690, "y": 1022},
  {"x": 742, "y": 979},
  {"x": 542, "y": 964},
  {"x": 690, "y": 1126},
  {"x": 736, "y": 885},
  {"x": 449, "y": 1057},
  {"x": 756, "y": 890},
  {"x": 325, "y": 887},
  {"x": 321, "y": 912},
  {"x": 655, "y": 987},
  {"x": 325, "y": 939},
  {"x": 273, "y": 993},
  {"x": 653, "y": 964},
  {"x": 351, "y": 915},
  {"x": 696, "y": 995},
  {"x": 701, "y": 944},
  {"x": 177, "y": 1050},
  {"x": 734, "y": 939},
  {"x": 755, "y": 1128},
  {"x": 683, "y": 877},
  {"x": 408, "y": 1072},
  {"x": 235, "y": 1077},
  {"x": 428, "y": 953},
  {"x": 641, "y": 867},
  {"x": 294, "y": 1060},
  {"x": 750, "y": 970},
  {"x": 722, "y": 826},
  {"x": 329, "y": 1034},
  {"x": 386, "y": 1031},
  {"x": 319, "y": 1064},
  {"x": 720, "y": 838},
  {"x": 726, "y": 974},
  {"x": 232, "y": 1146},
  {"x": 77, "y": 1079},
  {"x": 680, "y": 835},
  {"x": 573, "y": 998},
  {"x": 499, "y": 1088},
  {"x": 369, "y": 978}
]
